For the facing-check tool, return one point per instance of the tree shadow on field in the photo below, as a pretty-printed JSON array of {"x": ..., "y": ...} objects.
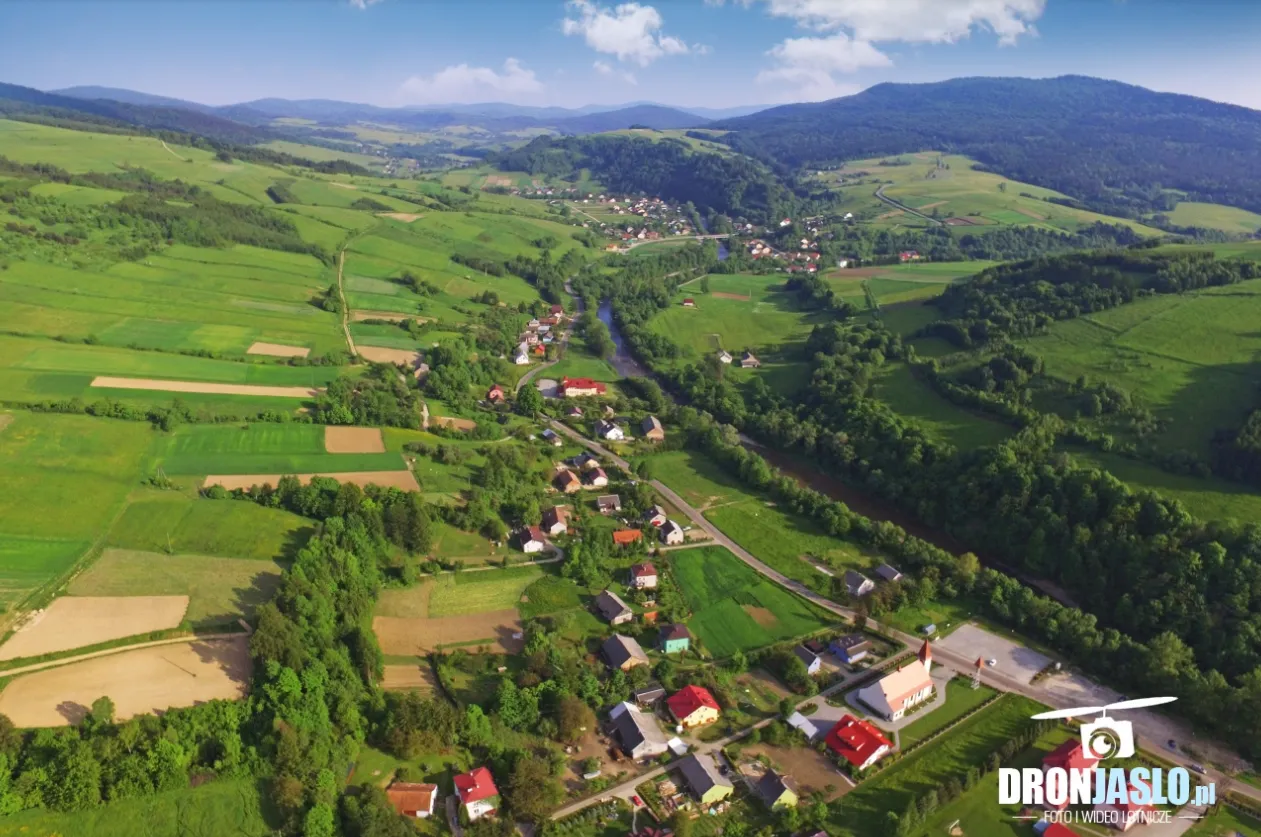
[
  {"x": 245, "y": 600},
  {"x": 1216, "y": 398},
  {"x": 72, "y": 712},
  {"x": 294, "y": 541},
  {"x": 231, "y": 656}
]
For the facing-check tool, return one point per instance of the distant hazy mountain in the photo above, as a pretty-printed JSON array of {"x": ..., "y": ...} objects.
[
  {"x": 131, "y": 97},
  {"x": 727, "y": 113},
  {"x": 1114, "y": 145},
  {"x": 648, "y": 116}
]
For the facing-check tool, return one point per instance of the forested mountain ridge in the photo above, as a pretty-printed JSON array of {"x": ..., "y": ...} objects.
[{"x": 1114, "y": 146}]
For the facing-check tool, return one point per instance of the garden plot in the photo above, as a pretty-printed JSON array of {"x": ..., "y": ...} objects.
[
  {"x": 353, "y": 440},
  {"x": 141, "y": 681},
  {"x": 277, "y": 350},
  {"x": 499, "y": 630},
  {"x": 78, "y": 621}
]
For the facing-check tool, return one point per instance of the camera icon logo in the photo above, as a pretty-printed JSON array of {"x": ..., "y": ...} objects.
[{"x": 1105, "y": 737}]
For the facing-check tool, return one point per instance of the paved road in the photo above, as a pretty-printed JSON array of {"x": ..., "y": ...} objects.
[
  {"x": 891, "y": 202},
  {"x": 960, "y": 662}
]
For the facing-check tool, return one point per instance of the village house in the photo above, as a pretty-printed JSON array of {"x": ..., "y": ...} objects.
[
  {"x": 857, "y": 584},
  {"x": 581, "y": 387},
  {"x": 567, "y": 481},
  {"x": 556, "y": 311},
  {"x": 888, "y": 573},
  {"x": 809, "y": 659},
  {"x": 675, "y": 638},
  {"x": 637, "y": 732},
  {"x": 609, "y": 431},
  {"x": 655, "y": 516},
  {"x": 596, "y": 478},
  {"x": 693, "y": 706},
  {"x": 643, "y": 576},
  {"x": 530, "y": 539},
  {"x": 724, "y": 356},
  {"x": 477, "y": 792},
  {"x": 574, "y": 412},
  {"x": 522, "y": 357},
  {"x": 1070, "y": 757},
  {"x": 585, "y": 461},
  {"x": 608, "y": 503},
  {"x": 748, "y": 361},
  {"x": 777, "y": 790},
  {"x": 626, "y": 537},
  {"x": 623, "y": 652},
  {"x": 495, "y": 394},
  {"x": 892, "y": 695},
  {"x": 556, "y": 520},
  {"x": 850, "y": 648},
  {"x": 701, "y": 774},
  {"x": 412, "y": 799},
  {"x": 650, "y": 694},
  {"x": 552, "y": 438},
  {"x": 908, "y": 256},
  {"x": 858, "y": 742},
  {"x": 652, "y": 429},
  {"x": 671, "y": 533},
  {"x": 612, "y": 608},
  {"x": 689, "y": 303}
]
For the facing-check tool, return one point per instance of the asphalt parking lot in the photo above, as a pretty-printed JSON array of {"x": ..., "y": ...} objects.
[{"x": 1014, "y": 660}]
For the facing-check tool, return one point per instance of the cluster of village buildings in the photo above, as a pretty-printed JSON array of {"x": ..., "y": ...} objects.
[{"x": 538, "y": 335}]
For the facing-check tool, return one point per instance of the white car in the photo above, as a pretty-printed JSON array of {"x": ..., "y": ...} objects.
[{"x": 991, "y": 662}]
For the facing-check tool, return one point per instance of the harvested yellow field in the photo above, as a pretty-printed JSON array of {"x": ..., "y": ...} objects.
[
  {"x": 78, "y": 621},
  {"x": 141, "y": 681},
  {"x": 277, "y": 350},
  {"x": 405, "y": 217},
  {"x": 353, "y": 440},
  {"x": 160, "y": 385},
  {"x": 414, "y": 677},
  {"x": 500, "y": 630},
  {"x": 405, "y": 480},
  {"x": 454, "y": 423},
  {"x": 380, "y": 354}
]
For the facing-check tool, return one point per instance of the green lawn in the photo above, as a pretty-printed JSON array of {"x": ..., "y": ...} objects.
[
  {"x": 898, "y": 388},
  {"x": 479, "y": 592},
  {"x": 219, "y": 589},
  {"x": 1227, "y": 822},
  {"x": 863, "y": 810},
  {"x": 172, "y": 522},
  {"x": 1215, "y": 216},
  {"x": 961, "y": 698},
  {"x": 735, "y": 609},
  {"x": 216, "y": 809},
  {"x": 696, "y": 479}
]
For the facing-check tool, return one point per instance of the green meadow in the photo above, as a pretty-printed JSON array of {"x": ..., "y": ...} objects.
[
  {"x": 1215, "y": 216},
  {"x": 263, "y": 448},
  {"x": 734, "y": 608},
  {"x": 177, "y": 523},
  {"x": 63, "y": 480},
  {"x": 218, "y": 589},
  {"x": 942, "y": 419}
]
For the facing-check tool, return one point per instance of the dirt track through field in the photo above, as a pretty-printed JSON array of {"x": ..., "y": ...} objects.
[
  {"x": 203, "y": 387},
  {"x": 404, "y": 480},
  {"x": 277, "y": 350},
  {"x": 145, "y": 680},
  {"x": 723, "y": 295},
  {"x": 380, "y": 354},
  {"x": 421, "y": 636},
  {"x": 353, "y": 440},
  {"x": 892, "y": 214},
  {"x": 344, "y": 185},
  {"x": 389, "y": 316},
  {"x": 453, "y": 422},
  {"x": 405, "y": 217},
  {"x": 78, "y": 621}
]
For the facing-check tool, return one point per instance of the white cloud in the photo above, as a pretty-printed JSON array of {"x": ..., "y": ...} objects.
[
  {"x": 363, "y": 4},
  {"x": 917, "y": 21},
  {"x": 629, "y": 31},
  {"x": 811, "y": 64},
  {"x": 462, "y": 83},
  {"x": 808, "y": 65},
  {"x": 604, "y": 68}
]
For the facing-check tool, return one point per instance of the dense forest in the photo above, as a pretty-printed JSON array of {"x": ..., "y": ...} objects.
[
  {"x": 1114, "y": 146},
  {"x": 715, "y": 183}
]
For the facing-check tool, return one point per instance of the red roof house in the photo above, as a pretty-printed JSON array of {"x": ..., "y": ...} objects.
[
  {"x": 689, "y": 302},
  {"x": 576, "y": 387},
  {"x": 556, "y": 309},
  {"x": 622, "y": 537},
  {"x": 858, "y": 742},
  {"x": 477, "y": 792},
  {"x": 495, "y": 393},
  {"x": 693, "y": 706},
  {"x": 1071, "y": 757}
]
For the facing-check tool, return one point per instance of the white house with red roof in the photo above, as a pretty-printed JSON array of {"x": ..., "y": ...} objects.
[
  {"x": 581, "y": 387},
  {"x": 644, "y": 576},
  {"x": 892, "y": 695},
  {"x": 858, "y": 742},
  {"x": 477, "y": 792}
]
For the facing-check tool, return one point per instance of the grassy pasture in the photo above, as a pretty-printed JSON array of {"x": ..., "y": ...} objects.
[
  {"x": 1227, "y": 822},
  {"x": 225, "y": 806},
  {"x": 480, "y": 592},
  {"x": 218, "y": 589},
  {"x": 898, "y": 388},
  {"x": 260, "y": 449},
  {"x": 961, "y": 699},
  {"x": 1190, "y": 358},
  {"x": 170, "y": 522},
  {"x": 735, "y": 609},
  {"x": 63, "y": 479},
  {"x": 1215, "y": 216}
]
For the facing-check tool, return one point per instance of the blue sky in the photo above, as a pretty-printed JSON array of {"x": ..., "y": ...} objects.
[{"x": 714, "y": 53}]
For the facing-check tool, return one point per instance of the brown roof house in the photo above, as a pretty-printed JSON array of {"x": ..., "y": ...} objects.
[
  {"x": 623, "y": 652},
  {"x": 567, "y": 481},
  {"x": 412, "y": 799},
  {"x": 652, "y": 429},
  {"x": 556, "y": 520},
  {"x": 612, "y": 608}
]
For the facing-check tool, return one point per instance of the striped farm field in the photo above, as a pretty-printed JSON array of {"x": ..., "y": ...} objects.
[
  {"x": 174, "y": 522},
  {"x": 261, "y": 448}
]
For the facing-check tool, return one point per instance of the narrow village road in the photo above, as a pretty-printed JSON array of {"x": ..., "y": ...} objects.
[
  {"x": 990, "y": 676},
  {"x": 896, "y": 205}
]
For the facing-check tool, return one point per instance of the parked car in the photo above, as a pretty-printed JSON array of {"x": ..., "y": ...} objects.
[{"x": 1173, "y": 745}]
